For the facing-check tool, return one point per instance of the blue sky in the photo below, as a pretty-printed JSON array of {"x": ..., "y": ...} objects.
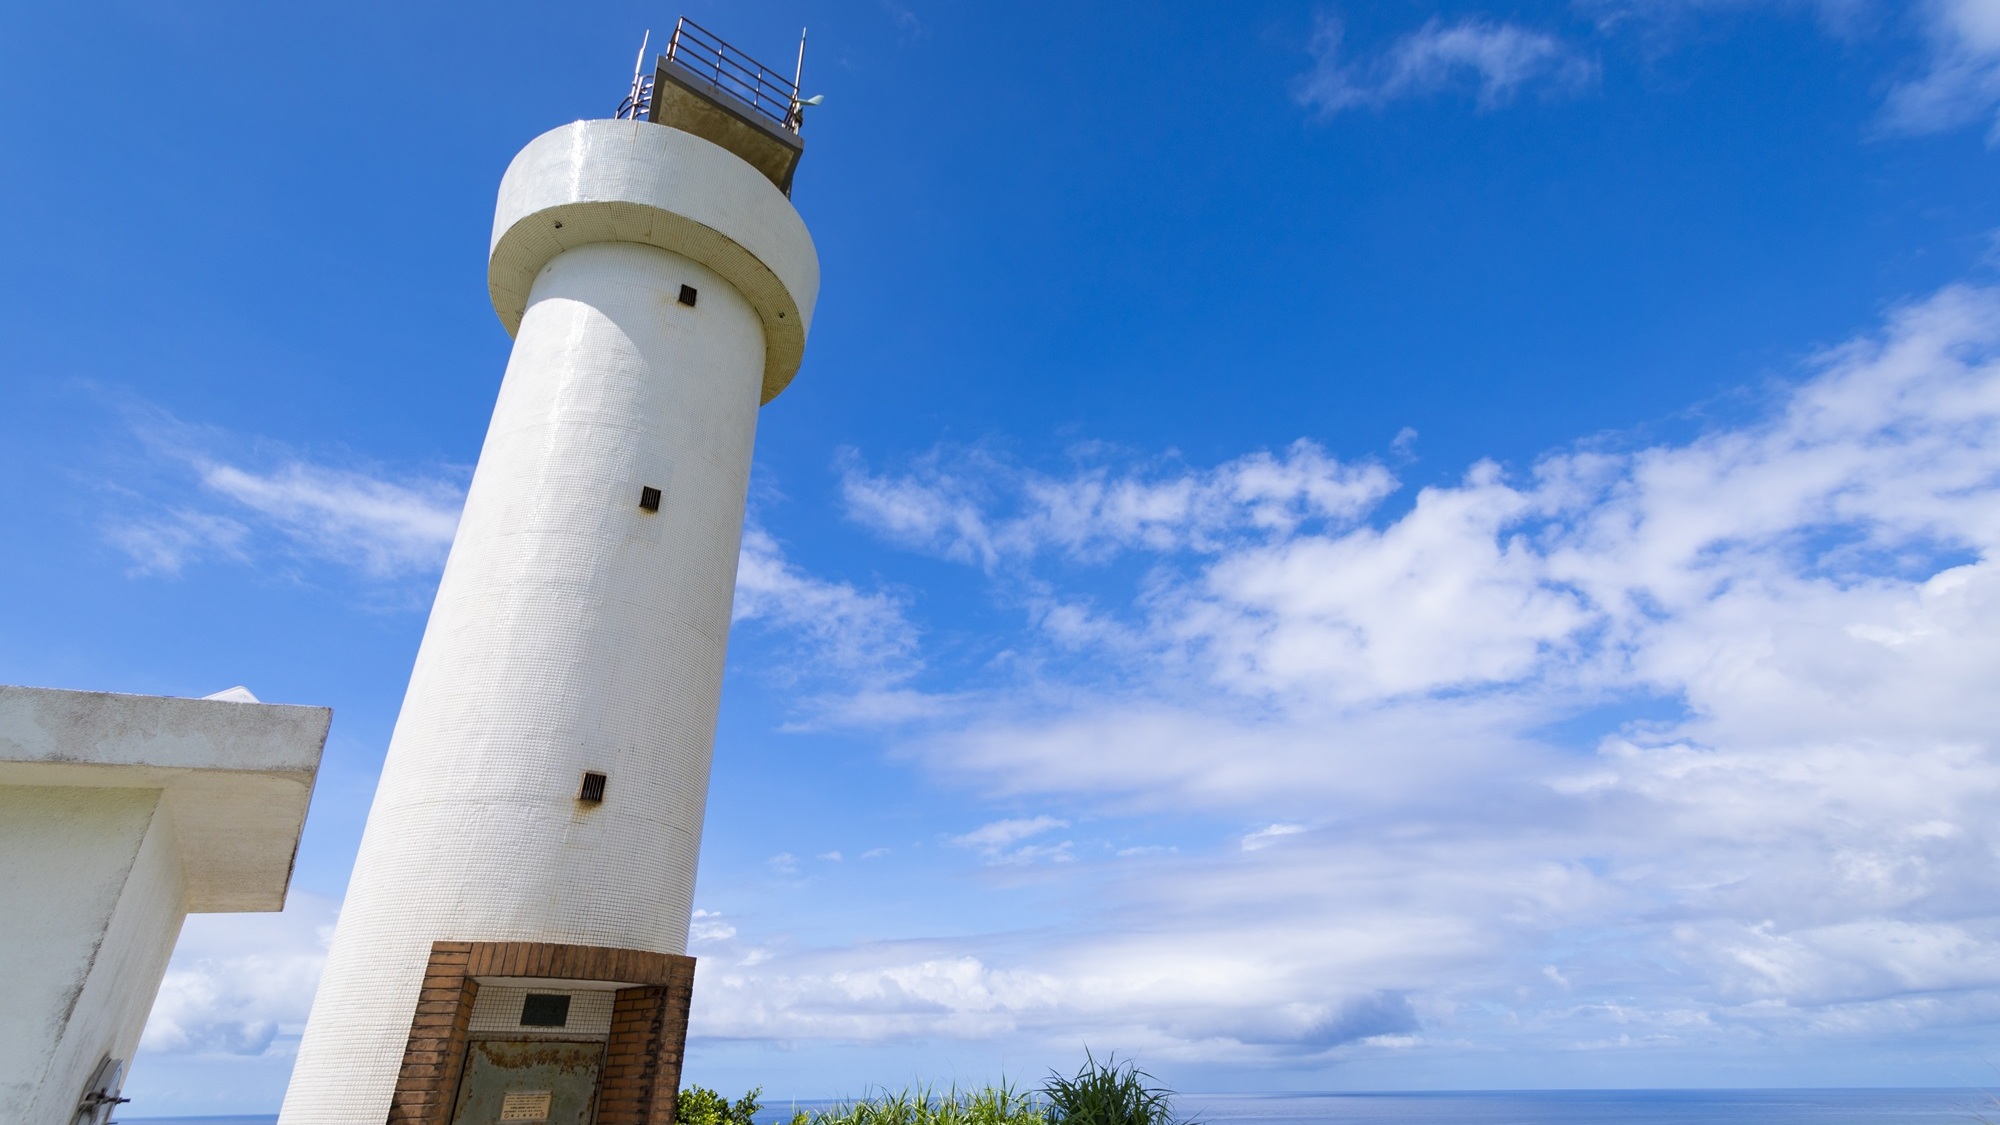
[{"x": 1323, "y": 546}]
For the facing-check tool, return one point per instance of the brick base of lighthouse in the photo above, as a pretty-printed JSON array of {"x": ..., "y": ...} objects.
[{"x": 449, "y": 1060}]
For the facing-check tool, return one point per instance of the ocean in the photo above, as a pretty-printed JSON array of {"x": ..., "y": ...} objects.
[
  {"x": 1598, "y": 1107},
  {"x": 1525, "y": 1107}
]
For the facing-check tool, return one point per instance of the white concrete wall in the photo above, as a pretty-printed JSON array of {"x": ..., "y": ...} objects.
[
  {"x": 572, "y": 632},
  {"x": 633, "y": 181},
  {"x": 118, "y": 815},
  {"x": 91, "y": 882},
  {"x": 238, "y": 777}
]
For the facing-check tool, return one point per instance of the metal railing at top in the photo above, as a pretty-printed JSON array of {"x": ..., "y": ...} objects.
[
  {"x": 767, "y": 91},
  {"x": 699, "y": 50}
]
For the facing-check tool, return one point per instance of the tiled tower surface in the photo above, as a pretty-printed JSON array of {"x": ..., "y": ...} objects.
[{"x": 659, "y": 289}]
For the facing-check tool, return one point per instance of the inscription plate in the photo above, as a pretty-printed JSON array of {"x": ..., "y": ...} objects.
[
  {"x": 529, "y": 1082},
  {"x": 530, "y": 1106}
]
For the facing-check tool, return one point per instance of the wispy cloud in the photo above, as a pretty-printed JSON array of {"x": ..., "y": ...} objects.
[
  {"x": 955, "y": 510},
  {"x": 864, "y": 636},
  {"x": 208, "y": 494},
  {"x": 1961, "y": 79},
  {"x": 1002, "y": 841},
  {"x": 204, "y": 494},
  {"x": 1951, "y": 80},
  {"x": 1496, "y": 61},
  {"x": 381, "y": 527},
  {"x": 1719, "y": 704},
  {"x": 1843, "y": 17},
  {"x": 1002, "y": 833},
  {"x": 1264, "y": 837},
  {"x": 909, "y": 26},
  {"x": 166, "y": 542},
  {"x": 1683, "y": 745}
]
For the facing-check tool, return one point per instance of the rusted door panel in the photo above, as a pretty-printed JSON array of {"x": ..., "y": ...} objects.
[{"x": 516, "y": 1083}]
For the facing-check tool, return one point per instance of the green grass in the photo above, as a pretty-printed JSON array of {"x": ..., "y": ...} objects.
[
  {"x": 990, "y": 1105},
  {"x": 1099, "y": 1093}
]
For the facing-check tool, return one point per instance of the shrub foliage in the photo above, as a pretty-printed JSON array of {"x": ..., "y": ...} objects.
[
  {"x": 1099, "y": 1093},
  {"x": 699, "y": 1105}
]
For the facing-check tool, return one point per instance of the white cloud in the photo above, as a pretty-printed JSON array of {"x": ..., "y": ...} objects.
[
  {"x": 1683, "y": 746},
  {"x": 381, "y": 527},
  {"x": 708, "y": 927},
  {"x": 1845, "y": 17},
  {"x": 1225, "y": 986},
  {"x": 1001, "y": 833},
  {"x": 1263, "y": 837},
  {"x": 1677, "y": 745},
  {"x": 1001, "y": 842},
  {"x": 1101, "y": 510},
  {"x": 1957, "y": 61},
  {"x": 1497, "y": 60},
  {"x": 1680, "y": 746},
  {"x": 195, "y": 501},
  {"x": 1665, "y": 747},
  {"x": 1956, "y": 79},
  {"x": 267, "y": 502},
  {"x": 165, "y": 543},
  {"x": 840, "y": 628},
  {"x": 241, "y": 985},
  {"x": 1961, "y": 80}
]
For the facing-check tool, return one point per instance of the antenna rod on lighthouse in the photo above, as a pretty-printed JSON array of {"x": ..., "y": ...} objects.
[
  {"x": 795, "y": 112},
  {"x": 639, "y": 64},
  {"x": 639, "y": 97}
]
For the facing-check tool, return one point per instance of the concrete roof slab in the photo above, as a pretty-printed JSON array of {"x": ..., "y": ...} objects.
[{"x": 237, "y": 777}]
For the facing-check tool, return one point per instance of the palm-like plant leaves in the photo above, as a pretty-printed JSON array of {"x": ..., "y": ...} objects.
[{"x": 1108, "y": 1093}]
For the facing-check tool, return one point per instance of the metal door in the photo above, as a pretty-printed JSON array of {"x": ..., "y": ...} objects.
[{"x": 536, "y": 1083}]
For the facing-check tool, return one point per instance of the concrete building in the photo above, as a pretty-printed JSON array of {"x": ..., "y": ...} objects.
[
  {"x": 120, "y": 815},
  {"x": 512, "y": 944}
]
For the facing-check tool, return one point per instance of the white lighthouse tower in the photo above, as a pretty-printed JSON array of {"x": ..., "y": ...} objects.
[{"x": 512, "y": 944}]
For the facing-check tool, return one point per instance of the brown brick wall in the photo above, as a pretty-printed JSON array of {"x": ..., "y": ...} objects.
[
  {"x": 630, "y": 1091},
  {"x": 435, "y": 1051},
  {"x": 571, "y": 962},
  {"x": 642, "y": 1063}
]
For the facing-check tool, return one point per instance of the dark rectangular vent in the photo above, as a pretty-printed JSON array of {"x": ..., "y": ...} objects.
[
  {"x": 593, "y": 788},
  {"x": 687, "y": 295},
  {"x": 649, "y": 498},
  {"x": 542, "y": 1009}
]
